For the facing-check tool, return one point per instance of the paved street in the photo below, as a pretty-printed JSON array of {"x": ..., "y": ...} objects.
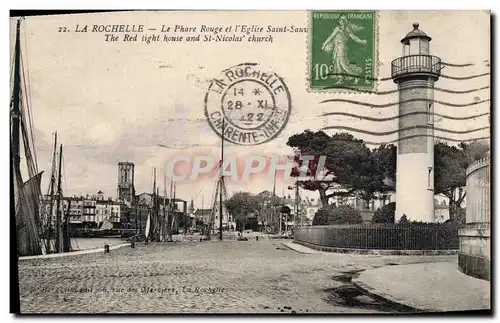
[{"x": 209, "y": 277}]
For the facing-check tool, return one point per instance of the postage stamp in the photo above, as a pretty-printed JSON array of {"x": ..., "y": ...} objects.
[
  {"x": 249, "y": 105},
  {"x": 342, "y": 50}
]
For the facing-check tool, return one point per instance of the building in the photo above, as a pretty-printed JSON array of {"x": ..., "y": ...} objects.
[
  {"x": 203, "y": 215},
  {"x": 83, "y": 211},
  {"x": 415, "y": 74},
  {"x": 126, "y": 190},
  {"x": 107, "y": 211},
  {"x": 307, "y": 208},
  {"x": 474, "y": 256},
  {"x": 380, "y": 200},
  {"x": 442, "y": 205},
  {"x": 228, "y": 222},
  {"x": 89, "y": 212}
]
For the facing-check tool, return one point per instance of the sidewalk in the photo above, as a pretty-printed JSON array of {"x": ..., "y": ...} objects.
[
  {"x": 73, "y": 253},
  {"x": 299, "y": 248},
  {"x": 427, "y": 287}
]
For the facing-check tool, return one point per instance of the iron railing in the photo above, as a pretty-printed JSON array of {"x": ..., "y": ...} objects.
[
  {"x": 427, "y": 236},
  {"x": 410, "y": 64}
]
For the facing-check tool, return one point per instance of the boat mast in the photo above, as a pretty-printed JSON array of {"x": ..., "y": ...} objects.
[
  {"x": 185, "y": 219},
  {"x": 157, "y": 211},
  {"x": 16, "y": 111},
  {"x": 164, "y": 207},
  {"x": 173, "y": 209},
  {"x": 221, "y": 181},
  {"x": 154, "y": 204},
  {"x": 169, "y": 215},
  {"x": 15, "y": 115},
  {"x": 273, "y": 201},
  {"x": 58, "y": 213},
  {"x": 52, "y": 183},
  {"x": 66, "y": 236}
]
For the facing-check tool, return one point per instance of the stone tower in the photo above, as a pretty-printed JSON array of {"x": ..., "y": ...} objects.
[
  {"x": 415, "y": 73},
  {"x": 126, "y": 189}
]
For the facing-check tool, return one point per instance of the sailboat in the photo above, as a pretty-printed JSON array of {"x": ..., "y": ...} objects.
[
  {"x": 25, "y": 221},
  {"x": 219, "y": 209},
  {"x": 148, "y": 226},
  {"x": 150, "y": 229},
  {"x": 219, "y": 217}
]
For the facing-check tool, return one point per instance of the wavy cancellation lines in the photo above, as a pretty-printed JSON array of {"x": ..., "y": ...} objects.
[
  {"x": 443, "y": 138},
  {"x": 389, "y": 78},
  {"x": 395, "y": 103},
  {"x": 450, "y": 71},
  {"x": 468, "y": 111},
  {"x": 383, "y": 119}
]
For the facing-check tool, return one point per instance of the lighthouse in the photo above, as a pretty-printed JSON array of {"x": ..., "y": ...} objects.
[{"x": 415, "y": 73}]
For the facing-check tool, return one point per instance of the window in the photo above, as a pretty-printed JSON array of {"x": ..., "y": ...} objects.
[
  {"x": 429, "y": 178},
  {"x": 430, "y": 113}
]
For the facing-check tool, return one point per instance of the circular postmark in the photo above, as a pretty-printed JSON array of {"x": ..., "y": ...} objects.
[{"x": 252, "y": 105}]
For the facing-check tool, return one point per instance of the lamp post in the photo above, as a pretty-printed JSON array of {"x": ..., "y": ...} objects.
[
  {"x": 284, "y": 210},
  {"x": 296, "y": 203}
]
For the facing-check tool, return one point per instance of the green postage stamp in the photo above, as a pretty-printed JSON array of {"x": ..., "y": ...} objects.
[{"x": 342, "y": 50}]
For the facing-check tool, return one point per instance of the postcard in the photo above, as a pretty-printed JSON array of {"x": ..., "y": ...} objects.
[{"x": 278, "y": 162}]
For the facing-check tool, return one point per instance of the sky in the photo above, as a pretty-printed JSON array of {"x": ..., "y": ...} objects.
[{"x": 118, "y": 101}]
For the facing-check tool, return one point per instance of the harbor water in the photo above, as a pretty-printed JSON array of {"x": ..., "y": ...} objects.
[{"x": 78, "y": 244}]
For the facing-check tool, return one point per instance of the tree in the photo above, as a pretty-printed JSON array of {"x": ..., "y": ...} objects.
[
  {"x": 347, "y": 159},
  {"x": 386, "y": 214},
  {"x": 354, "y": 167},
  {"x": 475, "y": 150},
  {"x": 321, "y": 216},
  {"x": 265, "y": 202},
  {"x": 313, "y": 144},
  {"x": 384, "y": 158},
  {"x": 450, "y": 164},
  {"x": 241, "y": 205},
  {"x": 337, "y": 215}
]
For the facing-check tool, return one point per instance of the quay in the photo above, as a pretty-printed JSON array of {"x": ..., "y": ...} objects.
[{"x": 250, "y": 276}]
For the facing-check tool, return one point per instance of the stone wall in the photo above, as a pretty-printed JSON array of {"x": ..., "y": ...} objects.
[{"x": 474, "y": 253}]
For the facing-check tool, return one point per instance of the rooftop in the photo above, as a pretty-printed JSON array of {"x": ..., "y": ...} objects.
[
  {"x": 202, "y": 212},
  {"x": 415, "y": 33}
]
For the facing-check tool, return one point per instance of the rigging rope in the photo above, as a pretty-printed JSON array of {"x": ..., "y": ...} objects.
[
  {"x": 28, "y": 109},
  {"x": 12, "y": 75},
  {"x": 31, "y": 167},
  {"x": 64, "y": 174}
]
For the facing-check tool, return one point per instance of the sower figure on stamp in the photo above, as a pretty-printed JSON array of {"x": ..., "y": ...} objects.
[{"x": 336, "y": 43}]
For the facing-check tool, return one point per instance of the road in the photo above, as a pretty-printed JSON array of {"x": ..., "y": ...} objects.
[{"x": 209, "y": 277}]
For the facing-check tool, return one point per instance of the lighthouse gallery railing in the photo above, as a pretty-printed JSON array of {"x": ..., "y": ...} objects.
[{"x": 416, "y": 64}]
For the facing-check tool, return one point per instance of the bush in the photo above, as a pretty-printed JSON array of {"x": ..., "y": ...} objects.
[
  {"x": 337, "y": 215},
  {"x": 345, "y": 215},
  {"x": 459, "y": 218},
  {"x": 385, "y": 214},
  {"x": 321, "y": 216},
  {"x": 404, "y": 220}
]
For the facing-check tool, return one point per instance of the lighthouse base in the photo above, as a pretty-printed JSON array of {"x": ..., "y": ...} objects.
[{"x": 414, "y": 187}]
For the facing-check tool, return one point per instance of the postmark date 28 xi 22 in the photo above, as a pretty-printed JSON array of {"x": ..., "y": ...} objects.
[{"x": 252, "y": 105}]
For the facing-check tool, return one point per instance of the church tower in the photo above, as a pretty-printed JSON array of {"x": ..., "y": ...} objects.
[
  {"x": 126, "y": 189},
  {"x": 415, "y": 73}
]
